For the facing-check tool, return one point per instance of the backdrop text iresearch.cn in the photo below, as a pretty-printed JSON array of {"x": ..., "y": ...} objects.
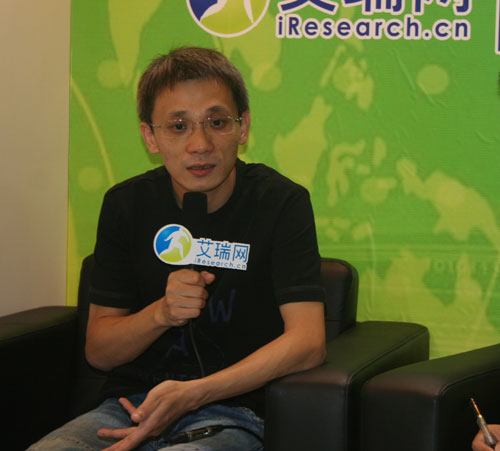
[{"x": 291, "y": 25}]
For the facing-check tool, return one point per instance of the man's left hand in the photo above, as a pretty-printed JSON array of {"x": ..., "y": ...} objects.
[{"x": 163, "y": 404}]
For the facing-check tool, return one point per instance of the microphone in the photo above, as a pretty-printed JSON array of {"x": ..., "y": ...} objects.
[
  {"x": 195, "y": 212},
  {"x": 195, "y": 215}
]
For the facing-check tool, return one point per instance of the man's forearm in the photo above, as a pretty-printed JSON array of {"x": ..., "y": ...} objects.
[
  {"x": 117, "y": 339},
  {"x": 270, "y": 362},
  {"x": 295, "y": 350}
]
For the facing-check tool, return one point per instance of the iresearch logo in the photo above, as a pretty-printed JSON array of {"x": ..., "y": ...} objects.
[
  {"x": 227, "y": 18},
  {"x": 172, "y": 244}
]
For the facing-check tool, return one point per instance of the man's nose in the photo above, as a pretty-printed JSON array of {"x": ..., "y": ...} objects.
[{"x": 199, "y": 140}]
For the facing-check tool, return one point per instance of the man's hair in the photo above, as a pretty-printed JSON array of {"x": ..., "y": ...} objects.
[{"x": 183, "y": 64}]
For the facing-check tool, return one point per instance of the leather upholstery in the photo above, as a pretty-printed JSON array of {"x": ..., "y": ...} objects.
[
  {"x": 36, "y": 372},
  {"x": 425, "y": 406}
]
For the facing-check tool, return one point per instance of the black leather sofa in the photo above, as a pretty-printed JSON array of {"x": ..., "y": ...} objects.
[
  {"x": 47, "y": 381},
  {"x": 425, "y": 406}
]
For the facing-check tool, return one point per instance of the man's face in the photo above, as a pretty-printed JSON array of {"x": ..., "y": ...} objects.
[{"x": 199, "y": 161}]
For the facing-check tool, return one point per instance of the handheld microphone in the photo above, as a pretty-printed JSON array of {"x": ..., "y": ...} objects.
[
  {"x": 195, "y": 212},
  {"x": 195, "y": 215}
]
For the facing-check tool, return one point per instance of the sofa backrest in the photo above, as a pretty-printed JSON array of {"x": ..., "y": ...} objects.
[
  {"x": 340, "y": 281},
  {"x": 88, "y": 380}
]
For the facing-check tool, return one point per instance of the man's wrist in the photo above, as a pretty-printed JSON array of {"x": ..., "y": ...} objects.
[
  {"x": 199, "y": 391},
  {"x": 159, "y": 317}
]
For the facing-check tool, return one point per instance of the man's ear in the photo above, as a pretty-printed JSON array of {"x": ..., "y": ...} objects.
[
  {"x": 244, "y": 127},
  {"x": 149, "y": 137}
]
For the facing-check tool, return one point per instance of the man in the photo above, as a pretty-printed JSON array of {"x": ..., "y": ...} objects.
[{"x": 191, "y": 347}]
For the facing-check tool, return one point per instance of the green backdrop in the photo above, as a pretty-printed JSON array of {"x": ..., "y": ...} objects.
[{"x": 387, "y": 111}]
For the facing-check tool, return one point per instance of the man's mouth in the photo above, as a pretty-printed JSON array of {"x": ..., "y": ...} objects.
[
  {"x": 201, "y": 169},
  {"x": 201, "y": 166}
]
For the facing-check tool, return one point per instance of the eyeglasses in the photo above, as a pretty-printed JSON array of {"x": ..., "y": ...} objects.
[{"x": 217, "y": 124}]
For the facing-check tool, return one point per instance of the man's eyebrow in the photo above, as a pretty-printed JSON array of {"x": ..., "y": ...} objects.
[
  {"x": 212, "y": 109},
  {"x": 216, "y": 109},
  {"x": 178, "y": 113}
]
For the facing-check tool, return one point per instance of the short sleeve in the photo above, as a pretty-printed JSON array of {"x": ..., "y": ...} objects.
[{"x": 296, "y": 261}]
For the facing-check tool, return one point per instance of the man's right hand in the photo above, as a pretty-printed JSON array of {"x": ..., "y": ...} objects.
[
  {"x": 185, "y": 297},
  {"x": 479, "y": 444}
]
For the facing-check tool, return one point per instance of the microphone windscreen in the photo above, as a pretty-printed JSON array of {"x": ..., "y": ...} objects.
[{"x": 194, "y": 211}]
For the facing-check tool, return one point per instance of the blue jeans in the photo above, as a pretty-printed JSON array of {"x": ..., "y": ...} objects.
[{"x": 80, "y": 434}]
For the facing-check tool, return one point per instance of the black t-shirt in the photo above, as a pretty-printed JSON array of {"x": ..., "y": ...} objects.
[{"x": 267, "y": 211}]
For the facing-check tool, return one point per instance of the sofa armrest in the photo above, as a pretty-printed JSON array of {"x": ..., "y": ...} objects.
[
  {"x": 36, "y": 348},
  {"x": 319, "y": 409},
  {"x": 425, "y": 406}
]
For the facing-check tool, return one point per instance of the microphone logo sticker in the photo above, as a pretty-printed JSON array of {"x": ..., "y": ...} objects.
[
  {"x": 173, "y": 244},
  {"x": 227, "y": 18}
]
